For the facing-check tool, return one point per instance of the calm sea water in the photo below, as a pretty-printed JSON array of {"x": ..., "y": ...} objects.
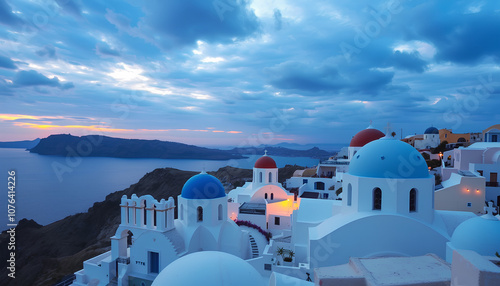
[{"x": 49, "y": 188}]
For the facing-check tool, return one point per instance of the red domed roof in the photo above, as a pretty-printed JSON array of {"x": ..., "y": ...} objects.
[
  {"x": 366, "y": 136},
  {"x": 265, "y": 162}
]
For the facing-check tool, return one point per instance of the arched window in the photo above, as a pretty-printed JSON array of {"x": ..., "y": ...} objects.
[
  {"x": 319, "y": 186},
  {"x": 413, "y": 200},
  {"x": 265, "y": 196},
  {"x": 182, "y": 211},
  {"x": 154, "y": 215},
  {"x": 145, "y": 214},
  {"x": 270, "y": 177},
  {"x": 272, "y": 196},
  {"x": 349, "y": 194},
  {"x": 260, "y": 177},
  {"x": 200, "y": 213},
  {"x": 377, "y": 199},
  {"x": 220, "y": 212}
]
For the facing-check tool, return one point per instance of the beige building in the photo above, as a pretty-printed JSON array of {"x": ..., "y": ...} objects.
[{"x": 464, "y": 191}]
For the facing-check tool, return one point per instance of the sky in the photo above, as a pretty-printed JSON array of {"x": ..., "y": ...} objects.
[{"x": 247, "y": 72}]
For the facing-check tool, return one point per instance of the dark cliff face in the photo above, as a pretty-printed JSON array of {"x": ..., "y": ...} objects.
[
  {"x": 103, "y": 146},
  {"x": 45, "y": 254}
]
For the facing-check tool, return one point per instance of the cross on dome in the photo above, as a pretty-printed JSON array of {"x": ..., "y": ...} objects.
[
  {"x": 388, "y": 130},
  {"x": 489, "y": 211},
  {"x": 265, "y": 152}
]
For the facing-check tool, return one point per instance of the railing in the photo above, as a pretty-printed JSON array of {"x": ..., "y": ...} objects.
[
  {"x": 332, "y": 162},
  {"x": 123, "y": 260},
  {"x": 491, "y": 184}
]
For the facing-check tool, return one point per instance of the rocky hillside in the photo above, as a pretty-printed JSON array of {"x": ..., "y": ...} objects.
[{"x": 45, "y": 254}]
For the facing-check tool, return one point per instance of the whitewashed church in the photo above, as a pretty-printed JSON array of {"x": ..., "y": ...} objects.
[{"x": 386, "y": 217}]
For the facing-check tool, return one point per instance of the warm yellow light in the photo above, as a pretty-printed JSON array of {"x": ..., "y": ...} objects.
[
  {"x": 478, "y": 191},
  {"x": 468, "y": 190}
]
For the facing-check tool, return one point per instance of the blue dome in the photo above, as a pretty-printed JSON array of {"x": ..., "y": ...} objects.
[
  {"x": 203, "y": 186},
  {"x": 431, "y": 130},
  {"x": 478, "y": 234},
  {"x": 388, "y": 158}
]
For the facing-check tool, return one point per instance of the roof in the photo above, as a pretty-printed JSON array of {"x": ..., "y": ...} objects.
[
  {"x": 310, "y": 195},
  {"x": 265, "y": 162},
  {"x": 484, "y": 145},
  {"x": 203, "y": 186},
  {"x": 253, "y": 208},
  {"x": 479, "y": 234},
  {"x": 389, "y": 158},
  {"x": 209, "y": 268},
  {"x": 431, "y": 130},
  {"x": 365, "y": 136}
]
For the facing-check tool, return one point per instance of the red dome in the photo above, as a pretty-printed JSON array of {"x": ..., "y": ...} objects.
[
  {"x": 365, "y": 136},
  {"x": 265, "y": 162}
]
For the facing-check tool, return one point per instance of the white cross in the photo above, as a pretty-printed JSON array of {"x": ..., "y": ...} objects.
[
  {"x": 265, "y": 152},
  {"x": 490, "y": 209},
  {"x": 388, "y": 130}
]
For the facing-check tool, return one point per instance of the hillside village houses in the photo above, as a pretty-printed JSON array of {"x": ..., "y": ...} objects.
[{"x": 385, "y": 225}]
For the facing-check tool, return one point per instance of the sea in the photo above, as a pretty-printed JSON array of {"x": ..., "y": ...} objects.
[{"x": 49, "y": 188}]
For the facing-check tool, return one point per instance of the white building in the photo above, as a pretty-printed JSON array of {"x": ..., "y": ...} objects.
[
  {"x": 264, "y": 201},
  {"x": 481, "y": 159},
  {"x": 148, "y": 238},
  {"x": 430, "y": 139},
  {"x": 329, "y": 173}
]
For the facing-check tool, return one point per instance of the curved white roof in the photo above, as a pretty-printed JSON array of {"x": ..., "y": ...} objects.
[
  {"x": 478, "y": 234},
  {"x": 209, "y": 268}
]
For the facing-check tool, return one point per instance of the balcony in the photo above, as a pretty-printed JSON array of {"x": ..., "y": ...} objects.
[{"x": 491, "y": 184}]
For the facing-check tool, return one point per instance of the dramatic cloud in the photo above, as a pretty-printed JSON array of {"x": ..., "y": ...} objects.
[
  {"x": 7, "y": 63},
  {"x": 302, "y": 71},
  {"x": 6, "y": 15},
  {"x": 34, "y": 78}
]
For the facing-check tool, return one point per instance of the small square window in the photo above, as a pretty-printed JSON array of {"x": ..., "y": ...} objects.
[
  {"x": 267, "y": 267},
  {"x": 469, "y": 205}
]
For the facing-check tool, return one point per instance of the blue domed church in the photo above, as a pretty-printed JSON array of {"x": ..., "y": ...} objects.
[{"x": 149, "y": 239}]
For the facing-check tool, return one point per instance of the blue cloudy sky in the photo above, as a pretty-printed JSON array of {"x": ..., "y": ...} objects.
[{"x": 235, "y": 72}]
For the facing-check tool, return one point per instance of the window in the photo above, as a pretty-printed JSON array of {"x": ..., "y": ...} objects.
[
  {"x": 144, "y": 214},
  {"x": 272, "y": 196},
  {"x": 349, "y": 194},
  {"x": 377, "y": 199},
  {"x": 220, "y": 212},
  {"x": 154, "y": 215},
  {"x": 480, "y": 172},
  {"x": 260, "y": 177},
  {"x": 325, "y": 196},
  {"x": 200, "y": 213},
  {"x": 319, "y": 186},
  {"x": 413, "y": 200},
  {"x": 445, "y": 135},
  {"x": 304, "y": 181},
  {"x": 469, "y": 205},
  {"x": 494, "y": 138},
  {"x": 276, "y": 220},
  {"x": 270, "y": 177},
  {"x": 182, "y": 212},
  {"x": 267, "y": 266},
  {"x": 154, "y": 262},
  {"x": 265, "y": 196}
]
